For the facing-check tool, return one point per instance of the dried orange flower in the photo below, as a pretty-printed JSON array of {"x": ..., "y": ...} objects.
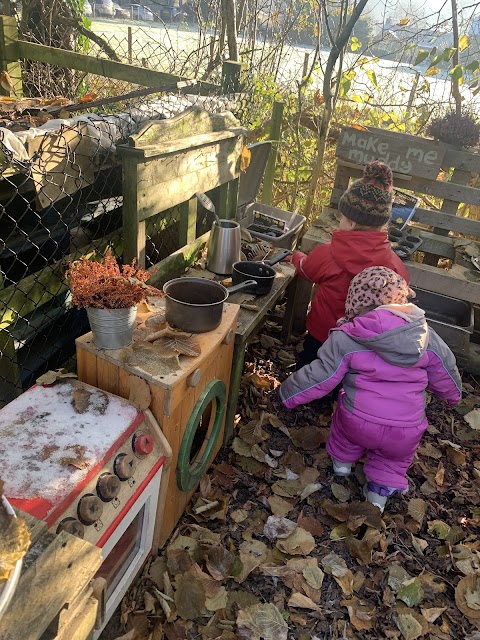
[{"x": 103, "y": 284}]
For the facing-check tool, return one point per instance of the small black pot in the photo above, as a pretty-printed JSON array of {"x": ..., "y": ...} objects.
[
  {"x": 261, "y": 272},
  {"x": 195, "y": 305}
]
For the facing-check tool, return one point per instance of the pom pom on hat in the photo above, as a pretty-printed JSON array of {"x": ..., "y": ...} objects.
[{"x": 368, "y": 201}]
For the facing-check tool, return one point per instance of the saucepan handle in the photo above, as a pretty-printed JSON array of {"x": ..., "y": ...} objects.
[
  {"x": 241, "y": 286},
  {"x": 278, "y": 258}
]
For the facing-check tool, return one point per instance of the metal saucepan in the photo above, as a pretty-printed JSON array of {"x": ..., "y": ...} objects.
[
  {"x": 261, "y": 272},
  {"x": 196, "y": 304}
]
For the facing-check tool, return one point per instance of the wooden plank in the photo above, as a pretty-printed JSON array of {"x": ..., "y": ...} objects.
[
  {"x": 188, "y": 221},
  {"x": 58, "y": 576},
  {"x": 9, "y": 53},
  {"x": 437, "y": 188},
  {"x": 133, "y": 245},
  {"x": 167, "y": 181},
  {"x": 36, "y": 528},
  {"x": 460, "y": 282},
  {"x": 192, "y": 124},
  {"x": 82, "y": 625},
  {"x": 448, "y": 221},
  {"x": 232, "y": 204},
  {"x": 177, "y": 262},
  {"x": 459, "y": 176},
  {"x": 107, "y": 376},
  {"x": 86, "y": 367},
  {"x": 102, "y": 67},
  {"x": 462, "y": 160},
  {"x": 405, "y": 154}
]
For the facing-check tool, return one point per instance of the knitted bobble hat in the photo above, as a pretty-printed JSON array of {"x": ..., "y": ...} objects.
[
  {"x": 374, "y": 287},
  {"x": 368, "y": 201}
]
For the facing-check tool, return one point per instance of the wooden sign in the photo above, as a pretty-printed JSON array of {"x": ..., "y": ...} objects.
[{"x": 411, "y": 155}]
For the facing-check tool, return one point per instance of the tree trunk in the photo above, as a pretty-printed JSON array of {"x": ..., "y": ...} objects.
[
  {"x": 230, "y": 20},
  {"x": 330, "y": 97},
  {"x": 455, "y": 59}
]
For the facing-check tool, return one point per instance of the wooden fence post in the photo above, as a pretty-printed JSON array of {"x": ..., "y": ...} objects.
[
  {"x": 129, "y": 45},
  {"x": 231, "y": 76},
  {"x": 9, "y": 53},
  {"x": 188, "y": 221},
  {"x": 275, "y": 135}
]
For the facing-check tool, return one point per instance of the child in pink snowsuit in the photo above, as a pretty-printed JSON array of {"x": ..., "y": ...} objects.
[{"x": 386, "y": 357}]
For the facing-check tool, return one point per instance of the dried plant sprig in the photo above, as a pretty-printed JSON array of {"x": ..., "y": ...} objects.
[
  {"x": 462, "y": 130},
  {"x": 103, "y": 284}
]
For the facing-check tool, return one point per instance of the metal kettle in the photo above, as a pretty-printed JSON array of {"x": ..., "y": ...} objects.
[{"x": 224, "y": 246}]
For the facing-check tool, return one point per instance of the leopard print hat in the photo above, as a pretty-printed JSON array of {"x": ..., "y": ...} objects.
[{"x": 374, "y": 287}]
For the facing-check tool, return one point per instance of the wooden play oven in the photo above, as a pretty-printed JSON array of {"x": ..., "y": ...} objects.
[{"x": 188, "y": 402}]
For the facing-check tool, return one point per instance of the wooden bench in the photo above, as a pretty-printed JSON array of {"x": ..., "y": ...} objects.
[{"x": 416, "y": 164}]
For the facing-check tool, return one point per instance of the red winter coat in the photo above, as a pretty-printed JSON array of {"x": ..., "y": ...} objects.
[{"x": 332, "y": 265}]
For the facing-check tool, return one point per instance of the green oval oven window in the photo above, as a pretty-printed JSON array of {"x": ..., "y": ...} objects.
[{"x": 190, "y": 471}]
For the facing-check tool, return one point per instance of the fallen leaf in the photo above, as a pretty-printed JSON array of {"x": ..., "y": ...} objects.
[
  {"x": 279, "y": 506},
  {"x": 340, "y": 492},
  {"x": 440, "y": 474},
  {"x": 219, "y": 601},
  {"x": 253, "y": 432},
  {"x": 287, "y": 488},
  {"x": 409, "y": 627},
  {"x": 264, "y": 621},
  {"x": 467, "y": 596},
  {"x": 276, "y": 527},
  {"x": 340, "y": 532},
  {"x": 433, "y": 613},
  {"x": 52, "y": 376},
  {"x": 219, "y": 562},
  {"x": 429, "y": 450},
  {"x": 473, "y": 419},
  {"x": 189, "y": 597},
  {"x": 418, "y": 544},
  {"x": 411, "y": 592},
  {"x": 362, "y": 616},
  {"x": 309, "y": 489},
  {"x": 397, "y": 576},
  {"x": 239, "y": 515},
  {"x": 314, "y": 576},
  {"x": 252, "y": 555},
  {"x": 300, "y": 542},
  {"x": 310, "y": 524},
  {"x": 438, "y": 529},
  {"x": 140, "y": 395},
  {"x": 302, "y": 602},
  {"x": 183, "y": 343},
  {"x": 308, "y": 438},
  {"x": 417, "y": 508}
]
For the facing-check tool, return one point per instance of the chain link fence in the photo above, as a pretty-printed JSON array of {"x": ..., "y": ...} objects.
[{"x": 61, "y": 184}]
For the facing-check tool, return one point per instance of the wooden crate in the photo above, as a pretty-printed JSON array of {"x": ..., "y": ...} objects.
[{"x": 173, "y": 397}]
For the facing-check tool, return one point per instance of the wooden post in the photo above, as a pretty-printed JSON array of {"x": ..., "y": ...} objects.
[
  {"x": 232, "y": 204},
  {"x": 219, "y": 197},
  {"x": 231, "y": 76},
  {"x": 133, "y": 230},
  {"x": 275, "y": 135},
  {"x": 129, "y": 45},
  {"x": 188, "y": 221},
  {"x": 9, "y": 53}
]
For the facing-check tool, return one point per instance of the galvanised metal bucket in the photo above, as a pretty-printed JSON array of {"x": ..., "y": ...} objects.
[{"x": 112, "y": 328}]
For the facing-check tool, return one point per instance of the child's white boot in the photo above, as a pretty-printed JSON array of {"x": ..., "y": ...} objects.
[
  {"x": 375, "y": 498},
  {"x": 340, "y": 468}
]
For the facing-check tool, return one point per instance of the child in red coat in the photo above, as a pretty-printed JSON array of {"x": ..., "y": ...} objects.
[{"x": 361, "y": 241}]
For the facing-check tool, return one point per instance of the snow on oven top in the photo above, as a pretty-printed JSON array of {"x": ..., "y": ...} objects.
[{"x": 51, "y": 438}]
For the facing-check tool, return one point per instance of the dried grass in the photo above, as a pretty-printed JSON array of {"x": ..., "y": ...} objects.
[{"x": 103, "y": 284}]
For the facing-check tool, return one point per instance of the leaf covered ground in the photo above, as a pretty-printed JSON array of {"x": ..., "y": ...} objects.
[{"x": 272, "y": 547}]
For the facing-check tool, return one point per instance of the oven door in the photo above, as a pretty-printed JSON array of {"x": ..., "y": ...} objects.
[{"x": 126, "y": 548}]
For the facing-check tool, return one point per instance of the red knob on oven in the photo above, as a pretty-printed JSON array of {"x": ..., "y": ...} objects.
[
  {"x": 143, "y": 444},
  {"x": 90, "y": 509}
]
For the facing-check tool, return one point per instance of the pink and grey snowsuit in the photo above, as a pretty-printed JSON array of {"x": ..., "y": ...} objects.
[{"x": 386, "y": 358}]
